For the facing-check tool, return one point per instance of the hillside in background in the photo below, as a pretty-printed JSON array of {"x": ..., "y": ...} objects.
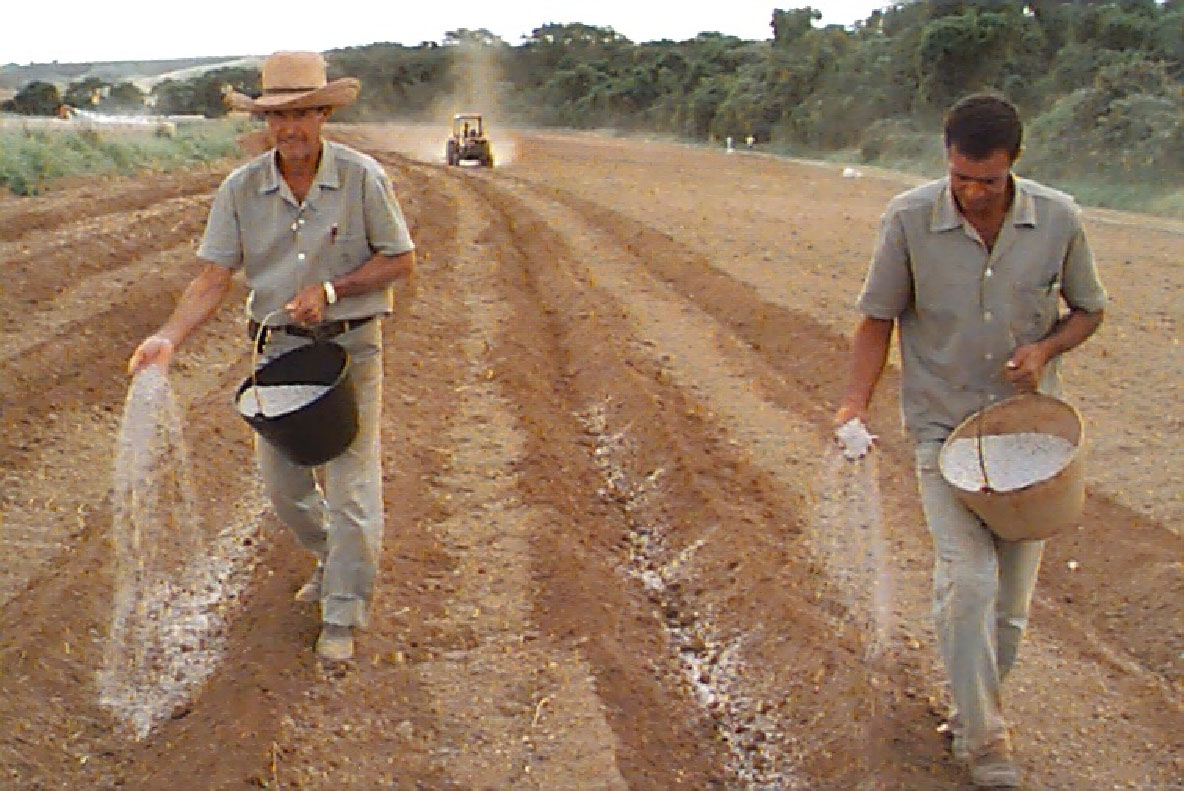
[{"x": 144, "y": 73}]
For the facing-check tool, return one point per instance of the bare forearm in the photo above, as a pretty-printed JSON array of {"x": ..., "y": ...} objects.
[
  {"x": 376, "y": 274},
  {"x": 869, "y": 353},
  {"x": 1071, "y": 331},
  {"x": 198, "y": 302}
]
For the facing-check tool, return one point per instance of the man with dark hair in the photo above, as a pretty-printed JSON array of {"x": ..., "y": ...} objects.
[
  {"x": 317, "y": 232},
  {"x": 972, "y": 268}
]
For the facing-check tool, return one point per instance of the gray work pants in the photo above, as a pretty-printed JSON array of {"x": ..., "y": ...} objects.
[
  {"x": 982, "y": 591},
  {"x": 338, "y": 518}
]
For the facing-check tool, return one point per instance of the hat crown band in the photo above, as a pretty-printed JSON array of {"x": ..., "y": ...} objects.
[{"x": 294, "y": 89}]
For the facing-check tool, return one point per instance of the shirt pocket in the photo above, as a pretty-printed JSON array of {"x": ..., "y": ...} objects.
[
  {"x": 1035, "y": 308},
  {"x": 349, "y": 251}
]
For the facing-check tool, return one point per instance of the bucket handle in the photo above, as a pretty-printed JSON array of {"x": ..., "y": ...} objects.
[
  {"x": 258, "y": 342},
  {"x": 978, "y": 437}
]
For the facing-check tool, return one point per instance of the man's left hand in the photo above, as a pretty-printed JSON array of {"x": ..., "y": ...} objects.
[
  {"x": 308, "y": 306},
  {"x": 1025, "y": 366}
]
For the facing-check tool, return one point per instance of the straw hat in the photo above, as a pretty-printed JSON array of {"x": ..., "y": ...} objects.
[{"x": 295, "y": 80}]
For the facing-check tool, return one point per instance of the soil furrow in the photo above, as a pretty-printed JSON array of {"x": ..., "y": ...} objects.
[
  {"x": 671, "y": 332},
  {"x": 812, "y": 360},
  {"x": 100, "y": 197},
  {"x": 613, "y": 555}
]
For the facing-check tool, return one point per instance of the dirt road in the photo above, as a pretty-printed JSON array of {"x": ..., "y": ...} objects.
[{"x": 613, "y": 507}]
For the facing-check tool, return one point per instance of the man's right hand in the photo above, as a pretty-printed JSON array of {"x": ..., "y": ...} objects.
[
  {"x": 846, "y": 412},
  {"x": 153, "y": 350}
]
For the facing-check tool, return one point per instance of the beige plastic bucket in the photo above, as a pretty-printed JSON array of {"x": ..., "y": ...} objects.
[{"x": 1040, "y": 509}]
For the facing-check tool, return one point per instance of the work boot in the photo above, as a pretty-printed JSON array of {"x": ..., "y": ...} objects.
[
  {"x": 336, "y": 643},
  {"x": 993, "y": 767},
  {"x": 310, "y": 592}
]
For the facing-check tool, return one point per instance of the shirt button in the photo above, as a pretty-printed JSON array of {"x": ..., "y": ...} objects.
[
  {"x": 989, "y": 272},
  {"x": 989, "y": 356},
  {"x": 987, "y": 316},
  {"x": 300, "y": 256},
  {"x": 294, "y": 226}
]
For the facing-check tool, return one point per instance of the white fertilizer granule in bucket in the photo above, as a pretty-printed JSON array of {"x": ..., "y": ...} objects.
[
  {"x": 1012, "y": 461},
  {"x": 270, "y": 400}
]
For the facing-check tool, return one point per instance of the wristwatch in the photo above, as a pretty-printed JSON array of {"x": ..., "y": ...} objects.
[{"x": 330, "y": 292}]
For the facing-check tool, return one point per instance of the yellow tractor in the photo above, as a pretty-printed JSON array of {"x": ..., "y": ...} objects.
[{"x": 468, "y": 142}]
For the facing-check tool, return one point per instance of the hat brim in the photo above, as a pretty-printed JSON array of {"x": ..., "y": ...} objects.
[{"x": 337, "y": 93}]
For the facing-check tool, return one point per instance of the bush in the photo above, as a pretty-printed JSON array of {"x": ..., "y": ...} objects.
[
  {"x": 1127, "y": 126},
  {"x": 31, "y": 161},
  {"x": 895, "y": 142}
]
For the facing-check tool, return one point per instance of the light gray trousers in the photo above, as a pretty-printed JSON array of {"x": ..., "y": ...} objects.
[
  {"x": 339, "y": 517},
  {"x": 982, "y": 591}
]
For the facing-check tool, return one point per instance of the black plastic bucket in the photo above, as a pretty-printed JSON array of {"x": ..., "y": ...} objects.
[{"x": 314, "y": 431}]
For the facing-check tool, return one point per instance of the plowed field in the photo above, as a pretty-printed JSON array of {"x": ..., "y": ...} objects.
[{"x": 612, "y": 499}]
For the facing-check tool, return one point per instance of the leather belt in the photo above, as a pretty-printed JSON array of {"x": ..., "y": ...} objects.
[{"x": 326, "y": 329}]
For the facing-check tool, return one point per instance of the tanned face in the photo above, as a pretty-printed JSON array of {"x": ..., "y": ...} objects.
[
  {"x": 297, "y": 133},
  {"x": 980, "y": 186}
]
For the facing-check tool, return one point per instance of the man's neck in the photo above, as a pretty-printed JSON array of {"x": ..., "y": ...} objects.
[
  {"x": 299, "y": 173},
  {"x": 299, "y": 168},
  {"x": 989, "y": 220}
]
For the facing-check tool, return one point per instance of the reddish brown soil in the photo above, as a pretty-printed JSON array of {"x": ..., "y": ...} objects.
[{"x": 618, "y": 367}]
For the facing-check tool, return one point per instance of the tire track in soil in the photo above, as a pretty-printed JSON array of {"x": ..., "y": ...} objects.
[
  {"x": 583, "y": 599},
  {"x": 515, "y": 711}
]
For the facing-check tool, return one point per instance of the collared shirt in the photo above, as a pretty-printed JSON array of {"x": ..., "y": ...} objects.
[
  {"x": 282, "y": 245},
  {"x": 962, "y": 309}
]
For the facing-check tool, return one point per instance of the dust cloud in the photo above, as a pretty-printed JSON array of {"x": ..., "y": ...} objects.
[{"x": 477, "y": 88}]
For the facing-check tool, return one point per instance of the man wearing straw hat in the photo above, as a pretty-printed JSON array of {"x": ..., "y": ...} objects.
[
  {"x": 320, "y": 239},
  {"x": 972, "y": 268}
]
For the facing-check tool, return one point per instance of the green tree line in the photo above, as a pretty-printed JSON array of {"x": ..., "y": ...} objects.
[{"x": 1098, "y": 81}]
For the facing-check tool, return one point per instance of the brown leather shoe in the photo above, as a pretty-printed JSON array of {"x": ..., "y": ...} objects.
[
  {"x": 993, "y": 767},
  {"x": 336, "y": 643}
]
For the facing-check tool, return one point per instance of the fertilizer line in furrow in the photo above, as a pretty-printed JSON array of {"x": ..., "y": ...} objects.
[
  {"x": 514, "y": 714},
  {"x": 706, "y": 360}
]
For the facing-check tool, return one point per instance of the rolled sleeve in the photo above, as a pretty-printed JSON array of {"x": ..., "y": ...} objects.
[
  {"x": 1081, "y": 288},
  {"x": 222, "y": 242},
  {"x": 887, "y": 290},
  {"x": 386, "y": 227}
]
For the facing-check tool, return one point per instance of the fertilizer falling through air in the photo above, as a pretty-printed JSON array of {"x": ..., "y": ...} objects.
[
  {"x": 847, "y": 532},
  {"x": 170, "y": 583}
]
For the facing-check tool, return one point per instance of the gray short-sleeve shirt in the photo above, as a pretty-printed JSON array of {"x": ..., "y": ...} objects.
[
  {"x": 349, "y": 214},
  {"x": 961, "y": 309}
]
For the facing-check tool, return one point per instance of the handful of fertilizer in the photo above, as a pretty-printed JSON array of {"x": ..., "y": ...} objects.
[{"x": 855, "y": 439}]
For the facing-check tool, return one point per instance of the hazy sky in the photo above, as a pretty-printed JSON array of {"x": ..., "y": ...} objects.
[{"x": 74, "y": 31}]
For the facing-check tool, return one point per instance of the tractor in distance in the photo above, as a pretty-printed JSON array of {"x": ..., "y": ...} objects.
[{"x": 468, "y": 142}]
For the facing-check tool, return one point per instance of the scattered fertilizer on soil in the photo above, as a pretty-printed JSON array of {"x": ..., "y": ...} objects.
[
  {"x": 1012, "y": 461},
  {"x": 271, "y": 400},
  {"x": 170, "y": 584}
]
